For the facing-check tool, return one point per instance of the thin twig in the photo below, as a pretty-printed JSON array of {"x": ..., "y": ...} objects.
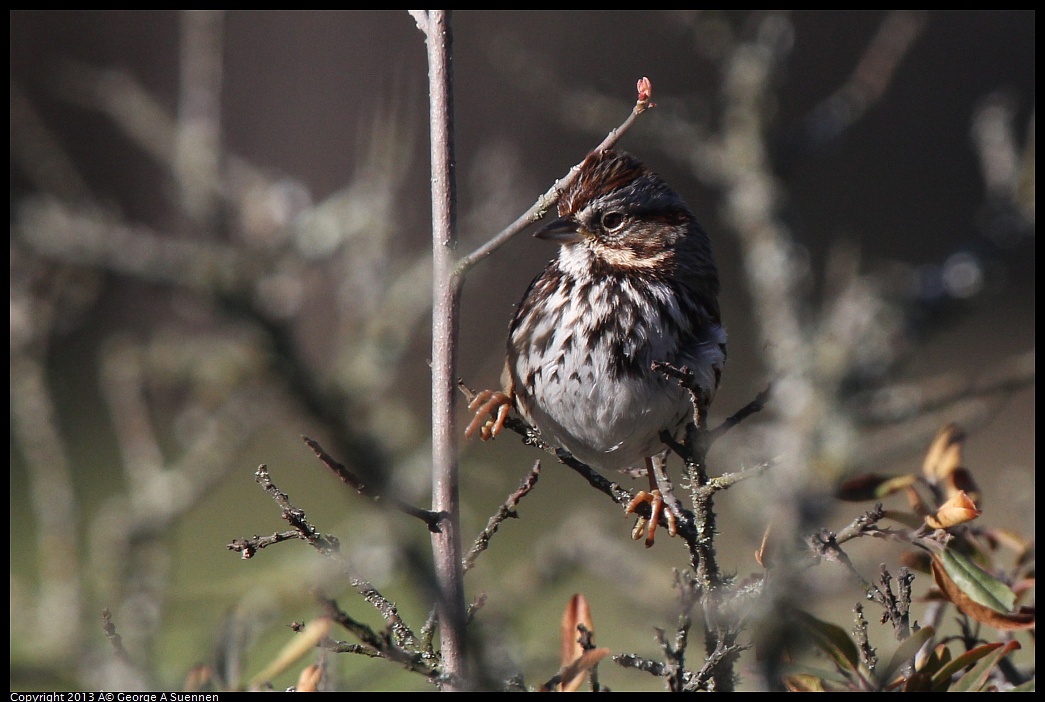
[
  {"x": 114, "y": 638},
  {"x": 248, "y": 548},
  {"x": 825, "y": 545},
  {"x": 614, "y": 490},
  {"x": 547, "y": 201},
  {"x": 868, "y": 654},
  {"x": 326, "y": 545},
  {"x": 631, "y": 660},
  {"x": 753, "y": 407},
  {"x": 505, "y": 511},
  {"x": 376, "y": 645},
  {"x": 861, "y": 524},
  {"x": 401, "y": 633},
  {"x": 723, "y": 656},
  {"x": 349, "y": 478},
  {"x": 897, "y": 605}
]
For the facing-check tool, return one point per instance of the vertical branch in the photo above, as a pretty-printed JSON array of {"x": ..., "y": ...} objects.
[
  {"x": 446, "y": 288},
  {"x": 752, "y": 196},
  {"x": 197, "y": 145},
  {"x": 56, "y": 630}
]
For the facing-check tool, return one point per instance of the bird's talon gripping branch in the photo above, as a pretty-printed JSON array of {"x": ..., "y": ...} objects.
[
  {"x": 483, "y": 405},
  {"x": 649, "y": 525}
]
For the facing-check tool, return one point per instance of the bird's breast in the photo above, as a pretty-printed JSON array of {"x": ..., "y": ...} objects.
[{"x": 582, "y": 368}]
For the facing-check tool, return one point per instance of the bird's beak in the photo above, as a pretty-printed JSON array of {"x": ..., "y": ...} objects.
[{"x": 565, "y": 230}]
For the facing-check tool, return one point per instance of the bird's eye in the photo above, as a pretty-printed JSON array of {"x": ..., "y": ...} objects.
[{"x": 612, "y": 220}]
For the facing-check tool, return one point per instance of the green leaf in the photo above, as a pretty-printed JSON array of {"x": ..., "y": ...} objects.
[
  {"x": 942, "y": 677},
  {"x": 832, "y": 640},
  {"x": 873, "y": 486},
  {"x": 977, "y": 677},
  {"x": 906, "y": 651},
  {"x": 981, "y": 587}
]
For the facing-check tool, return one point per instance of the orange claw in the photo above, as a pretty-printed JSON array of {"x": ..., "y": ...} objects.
[
  {"x": 649, "y": 525},
  {"x": 484, "y": 404}
]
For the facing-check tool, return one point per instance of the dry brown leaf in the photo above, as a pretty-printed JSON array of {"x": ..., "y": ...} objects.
[
  {"x": 761, "y": 555},
  {"x": 944, "y": 454},
  {"x": 309, "y": 679},
  {"x": 957, "y": 510},
  {"x": 577, "y": 612}
]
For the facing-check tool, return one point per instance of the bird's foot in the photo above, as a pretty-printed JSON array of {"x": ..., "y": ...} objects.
[
  {"x": 648, "y": 525},
  {"x": 484, "y": 404}
]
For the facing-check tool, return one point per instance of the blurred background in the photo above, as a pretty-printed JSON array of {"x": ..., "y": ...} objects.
[{"x": 220, "y": 236}]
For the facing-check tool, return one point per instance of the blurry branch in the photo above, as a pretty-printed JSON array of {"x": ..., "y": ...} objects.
[
  {"x": 870, "y": 78},
  {"x": 753, "y": 407},
  {"x": 130, "y": 546},
  {"x": 275, "y": 233},
  {"x": 160, "y": 490},
  {"x": 898, "y": 438},
  {"x": 242, "y": 247},
  {"x": 39, "y": 154},
  {"x": 751, "y": 208},
  {"x": 41, "y": 300},
  {"x": 1008, "y": 170},
  {"x": 87, "y": 236},
  {"x": 122, "y": 99},
  {"x": 904, "y": 401},
  {"x": 54, "y": 508},
  {"x": 257, "y": 270},
  {"x": 197, "y": 149}
]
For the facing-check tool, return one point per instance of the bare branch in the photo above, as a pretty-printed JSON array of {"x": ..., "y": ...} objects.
[
  {"x": 349, "y": 478},
  {"x": 197, "y": 146},
  {"x": 326, "y": 545},
  {"x": 114, "y": 638},
  {"x": 547, "y": 201},
  {"x": 902, "y": 402},
  {"x": 446, "y": 310},
  {"x": 753, "y": 407},
  {"x": 506, "y": 510},
  {"x": 870, "y": 78},
  {"x": 53, "y": 505}
]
